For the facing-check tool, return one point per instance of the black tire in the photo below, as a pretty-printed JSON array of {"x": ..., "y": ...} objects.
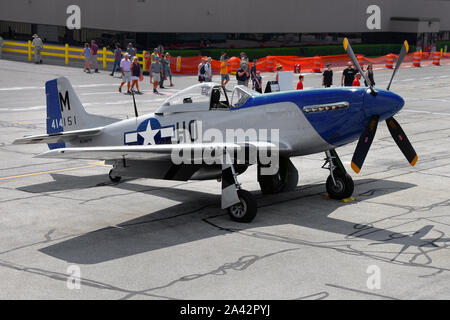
[
  {"x": 114, "y": 178},
  {"x": 244, "y": 211},
  {"x": 284, "y": 181},
  {"x": 344, "y": 185}
]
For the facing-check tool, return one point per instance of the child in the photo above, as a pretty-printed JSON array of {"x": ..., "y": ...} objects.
[
  {"x": 356, "y": 82},
  {"x": 300, "y": 82},
  {"x": 87, "y": 55}
]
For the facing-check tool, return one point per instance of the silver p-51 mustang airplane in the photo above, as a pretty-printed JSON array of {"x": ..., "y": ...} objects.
[{"x": 300, "y": 123}]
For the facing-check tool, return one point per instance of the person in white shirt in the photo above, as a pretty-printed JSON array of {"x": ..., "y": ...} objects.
[
  {"x": 38, "y": 46},
  {"x": 125, "y": 67}
]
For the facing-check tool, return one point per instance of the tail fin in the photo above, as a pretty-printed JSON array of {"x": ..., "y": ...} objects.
[{"x": 65, "y": 111}]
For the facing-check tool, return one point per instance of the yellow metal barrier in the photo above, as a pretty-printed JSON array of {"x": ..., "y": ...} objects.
[
  {"x": 29, "y": 50},
  {"x": 144, "y": 65},
  {"x": 66, "y": 52}
]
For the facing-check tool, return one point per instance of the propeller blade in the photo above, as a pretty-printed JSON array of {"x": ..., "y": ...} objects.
[
  {"x": 364, "y": 143},
  {"x": 348, "y": 48},
  {"x": 401, "y": 56},
  {"x": 402, "y": 141}
]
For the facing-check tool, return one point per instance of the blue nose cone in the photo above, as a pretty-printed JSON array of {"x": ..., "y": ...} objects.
[{"x": 385, "y": 104}]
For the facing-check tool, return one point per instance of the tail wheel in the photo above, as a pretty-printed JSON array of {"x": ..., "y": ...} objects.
[
  {"x": 245, "y": 211},
  {"x": 113, "y": 177},
  {"x": 344, "y": 185},
  {"x": 284, "y": 180}
]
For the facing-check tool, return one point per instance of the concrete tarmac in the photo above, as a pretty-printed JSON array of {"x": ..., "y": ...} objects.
[{"x": 153, "y": 239}]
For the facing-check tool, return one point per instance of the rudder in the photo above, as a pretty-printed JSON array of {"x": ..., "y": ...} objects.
[{"x": 65, "y": 111}]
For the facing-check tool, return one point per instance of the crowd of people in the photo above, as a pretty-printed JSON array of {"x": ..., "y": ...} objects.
[
  {"x": 351, "y": 76},
  {"x": 158, "y": 64},
  {"x": 245, "y": 73},
  {"x": 125, "y": 61}
]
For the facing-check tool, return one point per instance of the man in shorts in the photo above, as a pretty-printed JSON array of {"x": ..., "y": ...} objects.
[
  {"x": 152, "y": 60},
  {"x": 224, "y": 75},
  {"x": 125, "y": 67},
  {"x": 155, "y": 71}
]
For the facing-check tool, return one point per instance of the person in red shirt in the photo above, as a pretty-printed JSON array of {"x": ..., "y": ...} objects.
[
  {"x": 300, "y": 82},
  {"x": 356, "y": 82}
]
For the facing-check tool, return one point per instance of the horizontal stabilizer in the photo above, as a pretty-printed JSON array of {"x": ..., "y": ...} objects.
[{"x": 59, "y": 137}]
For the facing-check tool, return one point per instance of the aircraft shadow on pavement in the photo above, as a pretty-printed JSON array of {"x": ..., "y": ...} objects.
[
  {"x": 199, "y": 217},
  {"x": 62, "y": 182}
]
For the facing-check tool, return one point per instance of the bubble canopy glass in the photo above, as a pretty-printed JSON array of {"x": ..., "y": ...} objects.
[{"x": 198, "y": 97}]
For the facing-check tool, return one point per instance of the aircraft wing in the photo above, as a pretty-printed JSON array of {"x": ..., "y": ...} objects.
[
  {"x": 59, "y": 137},
  {"x": 193, "y": 151}
]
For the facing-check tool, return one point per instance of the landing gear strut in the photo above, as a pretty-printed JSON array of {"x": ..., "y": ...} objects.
[
  {"x": 241, "y": 205},
  {"x": 339, "y": 183}
]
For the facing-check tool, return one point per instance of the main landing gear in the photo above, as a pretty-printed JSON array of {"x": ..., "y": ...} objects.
[
  {"x": 284, "y": 180},
  {"x": 339, "y": 183},
  {"x": 243, "y": 206}
]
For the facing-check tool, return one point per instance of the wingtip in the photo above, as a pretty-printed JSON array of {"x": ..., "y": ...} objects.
[
  {"x": 414, "y": 161},
  {"x": 355, "y": 167}
]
